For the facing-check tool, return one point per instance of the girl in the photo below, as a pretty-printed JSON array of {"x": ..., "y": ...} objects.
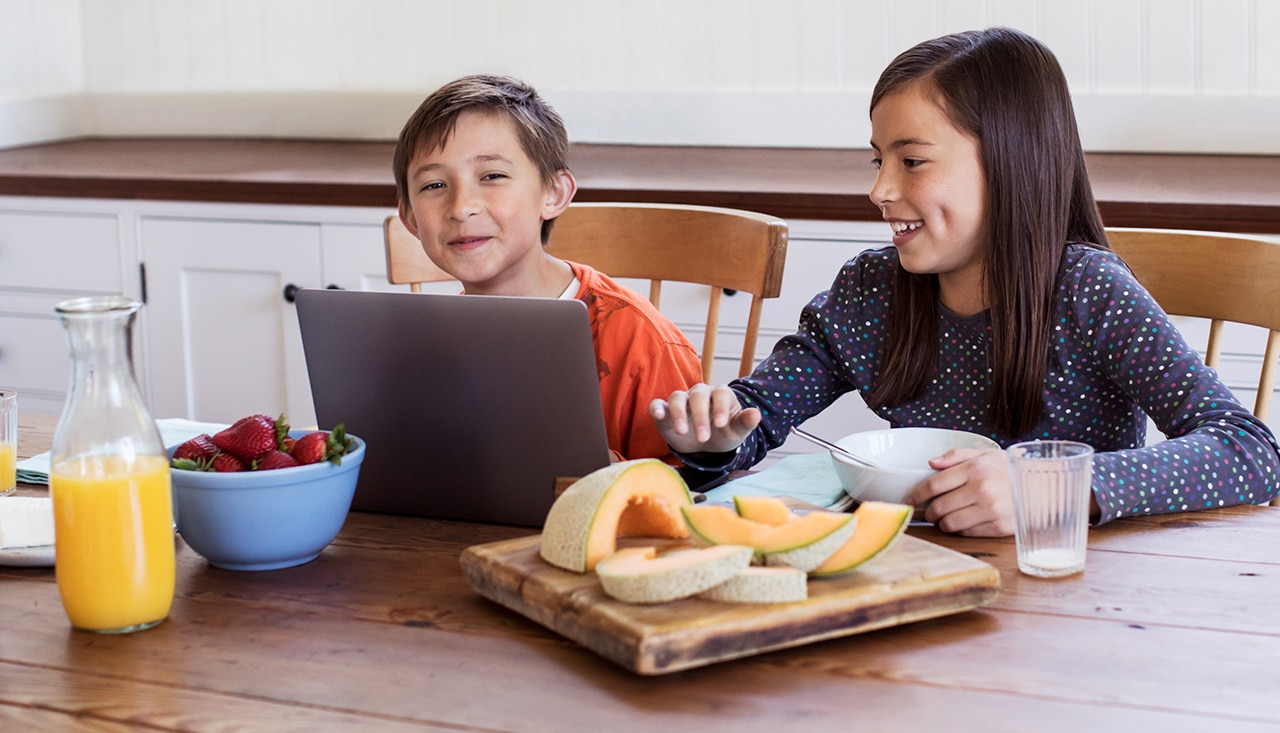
[{"x": 998, "y": 310}]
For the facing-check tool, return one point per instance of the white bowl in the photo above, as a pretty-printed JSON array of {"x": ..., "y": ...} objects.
[{"x": 902, "y": 455}]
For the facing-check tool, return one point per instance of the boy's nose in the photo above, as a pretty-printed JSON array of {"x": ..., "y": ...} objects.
[{"x": 464, "y": 203}]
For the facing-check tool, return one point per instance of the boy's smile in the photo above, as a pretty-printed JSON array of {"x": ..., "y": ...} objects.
[
  {"x": 932, "y": 190},
  {"x": 477, "y": 205}
]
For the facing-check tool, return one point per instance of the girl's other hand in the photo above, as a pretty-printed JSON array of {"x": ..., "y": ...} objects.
[
  {"x": 704, "y": 419},
  {"x": 969, "y": 495}
]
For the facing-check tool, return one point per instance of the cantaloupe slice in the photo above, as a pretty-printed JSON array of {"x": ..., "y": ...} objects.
[
  {"x": 803, "y": 543},
  {"x": 879, "y": 526},
  {"x": 639, "y": 498},
  {"x": 716, "y": 524},
  {"x": 762, "y": 585},
  {"x": 640, "y": 575},
  {"x": 764, "y": 509}
]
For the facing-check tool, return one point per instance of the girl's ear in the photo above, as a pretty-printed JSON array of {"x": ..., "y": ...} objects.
[
  {"x": 408, "y": 219},
  {"x": 558, "y": 195}
]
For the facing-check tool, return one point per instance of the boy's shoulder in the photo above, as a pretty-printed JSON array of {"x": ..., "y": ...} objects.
[{"x": 622, "y": 311}]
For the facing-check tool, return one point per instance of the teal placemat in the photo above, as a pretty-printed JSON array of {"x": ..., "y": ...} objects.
[{"x": 805, "y": 476}]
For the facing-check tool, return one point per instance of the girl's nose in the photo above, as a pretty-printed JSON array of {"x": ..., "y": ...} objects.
[{"x": 884, "y": 189}]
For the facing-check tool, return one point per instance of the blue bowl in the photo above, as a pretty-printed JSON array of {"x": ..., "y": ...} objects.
[{"x": 265, "y": 520}]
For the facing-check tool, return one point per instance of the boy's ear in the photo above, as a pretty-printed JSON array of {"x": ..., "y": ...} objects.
[
  {"x": 558, "y": 195},
  {"x": 407, "y": 218}
]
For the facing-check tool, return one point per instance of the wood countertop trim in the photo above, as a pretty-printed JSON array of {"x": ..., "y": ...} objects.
[{"x": 1225, "y": 193}]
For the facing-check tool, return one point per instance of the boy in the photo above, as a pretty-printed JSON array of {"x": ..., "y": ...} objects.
[{"x": 481, "y": 174}]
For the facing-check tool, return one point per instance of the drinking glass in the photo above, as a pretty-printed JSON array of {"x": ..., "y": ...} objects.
[
  {"x": 1051, "y": 481},
  {"x": 8, "y": 441}
]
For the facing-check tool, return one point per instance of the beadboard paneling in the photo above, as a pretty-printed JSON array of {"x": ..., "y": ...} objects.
[{"x": 1148, "y": 75}]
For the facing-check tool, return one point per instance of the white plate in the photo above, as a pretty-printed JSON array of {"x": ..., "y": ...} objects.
[{"x": 32, "y": 557}]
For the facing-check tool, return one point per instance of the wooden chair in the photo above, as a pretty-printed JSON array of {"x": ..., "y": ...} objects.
[
  {"x": 725, "y": 249},
  {"x": 1220, "y": 277}
]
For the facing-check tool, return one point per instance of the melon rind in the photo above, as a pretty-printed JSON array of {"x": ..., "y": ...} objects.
[
  {"x": 762, "y": 585},
  {"x": 805, "y": 542},
  {"x": 582, "y": 526},
  {"x": 640, "y": 575},
  {"x": 807, "y": 557},
  {"x": 880, "y": 525}
]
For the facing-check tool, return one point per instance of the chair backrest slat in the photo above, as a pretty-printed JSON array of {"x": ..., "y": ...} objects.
[{"x": 1216, "y": 276}]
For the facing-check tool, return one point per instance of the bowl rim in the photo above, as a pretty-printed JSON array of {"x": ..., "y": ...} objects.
[{"x": 892, "y": 470}]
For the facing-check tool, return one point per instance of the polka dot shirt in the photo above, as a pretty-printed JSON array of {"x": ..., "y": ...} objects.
[{"x": 1115, "y": 356}]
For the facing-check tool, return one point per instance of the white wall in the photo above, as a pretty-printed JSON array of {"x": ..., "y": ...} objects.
[{"x": 1148, "y": 75}]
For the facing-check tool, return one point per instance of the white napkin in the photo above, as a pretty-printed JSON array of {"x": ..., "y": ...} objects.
[
  {"x": 806, "y": 476},
  {"x": 173, "y": 430}
]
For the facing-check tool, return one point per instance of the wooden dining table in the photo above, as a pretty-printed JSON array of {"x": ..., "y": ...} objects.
[{"x": 1173, "y": 626}]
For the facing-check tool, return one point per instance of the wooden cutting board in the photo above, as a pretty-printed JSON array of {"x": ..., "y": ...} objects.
[{"x": 912, "y": 581}]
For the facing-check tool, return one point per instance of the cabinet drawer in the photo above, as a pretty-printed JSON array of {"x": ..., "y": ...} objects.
[{"x": 70, "y": 252}]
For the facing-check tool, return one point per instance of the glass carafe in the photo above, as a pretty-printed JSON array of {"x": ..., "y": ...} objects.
[{"x": 109, "y": 478}]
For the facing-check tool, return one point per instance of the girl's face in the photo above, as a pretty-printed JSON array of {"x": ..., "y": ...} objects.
[{"x": 931, "y": 189}]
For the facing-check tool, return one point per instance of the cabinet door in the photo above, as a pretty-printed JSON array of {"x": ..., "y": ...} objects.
[
  {"x": 222, "y": 337},
  {"x": 355, "y": 258}
]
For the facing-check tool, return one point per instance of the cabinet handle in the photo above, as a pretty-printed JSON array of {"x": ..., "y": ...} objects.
[
  {"x": 290, "y": 291},
  {"x": 334, "y": 286}
]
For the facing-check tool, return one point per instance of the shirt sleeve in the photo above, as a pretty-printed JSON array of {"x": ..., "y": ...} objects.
[{"x": 1216, "y": 453}]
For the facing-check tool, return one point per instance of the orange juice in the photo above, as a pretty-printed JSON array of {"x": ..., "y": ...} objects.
[
  {"x": 8, "y": 467},
  {"x": 114, "y": 545}
]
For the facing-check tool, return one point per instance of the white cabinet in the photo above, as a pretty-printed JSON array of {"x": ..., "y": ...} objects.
[
  {"x": 222, "y": 337},
  {"x": 47, "y": 257},
  {"x": 223, "y": 334}
]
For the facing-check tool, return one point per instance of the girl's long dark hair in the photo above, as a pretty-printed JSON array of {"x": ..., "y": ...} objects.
[{"x": 1006, "y": 90}]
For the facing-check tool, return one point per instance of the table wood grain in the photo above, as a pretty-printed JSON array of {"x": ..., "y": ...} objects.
[
  {"x": 1233, "y": 193},
  {"x": 1171, "y": 627}
]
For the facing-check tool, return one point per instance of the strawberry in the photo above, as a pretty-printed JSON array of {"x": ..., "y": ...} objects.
[
  {"x": 274, "y": 459},
  {"x": 310, "y": 448},
  {"x": 322, "y": 446},
  {"x": 226, "y": 463},
  {"x": 249, "y": 437},
  {"x": 199, "y": 448}
]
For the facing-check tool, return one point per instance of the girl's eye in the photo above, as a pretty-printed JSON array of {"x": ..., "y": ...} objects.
[
  {"x": 492, "y": 176},
  {"x": 875, "y": 163},
  {"x": 432, "y": 186},
  {"x": 911, "y": 162}
]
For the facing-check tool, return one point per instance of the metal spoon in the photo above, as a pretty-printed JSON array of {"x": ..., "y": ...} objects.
[{"x": 832, "y": 447}]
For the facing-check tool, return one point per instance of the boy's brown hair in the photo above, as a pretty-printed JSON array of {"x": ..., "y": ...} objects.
[{"x": 539, "y": 128}]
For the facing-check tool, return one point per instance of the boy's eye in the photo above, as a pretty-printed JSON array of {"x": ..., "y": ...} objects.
[
  {"x": 432, "y": 186},
  {"x": 492, "y": 176},
  {"x": 911, "y": 162},
  {"x": 875, "y": 163}
]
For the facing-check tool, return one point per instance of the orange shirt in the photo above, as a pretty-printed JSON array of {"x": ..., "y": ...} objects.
[{"x": 640, "y": 355}]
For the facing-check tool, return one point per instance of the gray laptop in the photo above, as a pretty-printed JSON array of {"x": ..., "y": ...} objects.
[{"x": 472, "y": 406}]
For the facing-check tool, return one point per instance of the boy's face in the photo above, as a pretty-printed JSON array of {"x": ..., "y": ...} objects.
[{"x": 477, "y": 205}]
